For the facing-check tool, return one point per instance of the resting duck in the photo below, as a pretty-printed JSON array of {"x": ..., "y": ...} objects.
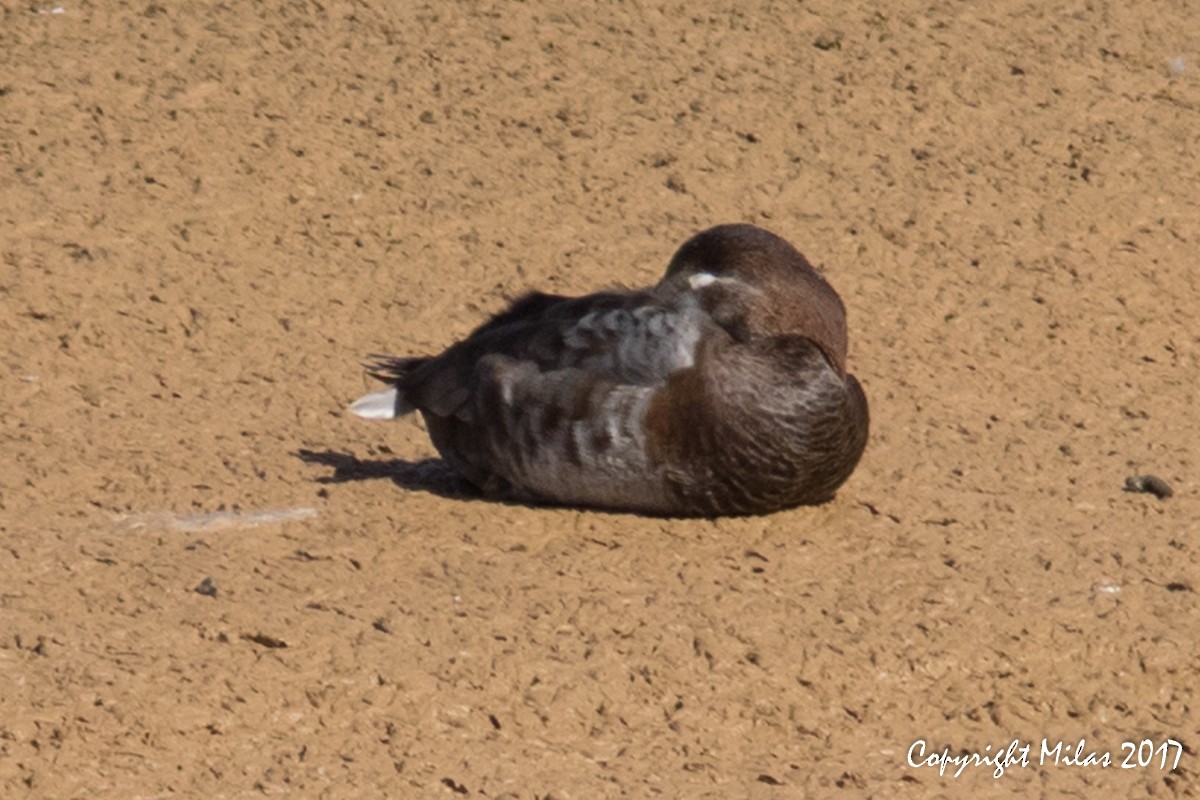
[{"x": 721, "y": 390}]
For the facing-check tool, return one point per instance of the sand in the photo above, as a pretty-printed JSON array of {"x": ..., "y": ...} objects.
[{"x": 216, "y": 583}]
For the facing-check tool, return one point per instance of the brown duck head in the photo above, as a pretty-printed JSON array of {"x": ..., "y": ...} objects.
[{"x": 761, "y": 286}]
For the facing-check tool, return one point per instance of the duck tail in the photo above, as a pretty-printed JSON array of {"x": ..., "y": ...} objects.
[
  {"x": 380, "y": 405},
  {"x": 389, "y": 403}
]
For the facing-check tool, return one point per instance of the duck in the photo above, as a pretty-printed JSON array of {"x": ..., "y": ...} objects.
[{"x": 722, "y": 390}]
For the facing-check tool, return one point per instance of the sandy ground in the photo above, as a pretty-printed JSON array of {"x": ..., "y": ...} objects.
[{"x": 210, "y": 211}]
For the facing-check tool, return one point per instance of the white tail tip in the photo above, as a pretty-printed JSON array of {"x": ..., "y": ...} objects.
[{"x": 376, "y": 405}]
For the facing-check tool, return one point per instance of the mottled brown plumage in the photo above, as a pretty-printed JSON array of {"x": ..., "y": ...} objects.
[{"x": 721, "y": 390}]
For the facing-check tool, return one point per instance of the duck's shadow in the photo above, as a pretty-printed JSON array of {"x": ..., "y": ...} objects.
[{"x": 431, "y": 475}]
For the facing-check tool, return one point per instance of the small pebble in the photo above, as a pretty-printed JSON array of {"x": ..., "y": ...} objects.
[
  {"x": 207, "y": 587},
  {"x": 828, "y": 40},
  {"x": 1176, "y": 66},
  {"x": 1150, "y": 484}
]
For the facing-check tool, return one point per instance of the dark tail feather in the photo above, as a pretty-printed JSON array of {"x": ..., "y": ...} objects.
[{"x": 391, "y": 369}]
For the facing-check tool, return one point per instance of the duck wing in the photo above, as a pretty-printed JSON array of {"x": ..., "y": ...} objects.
[{"x": 638, "y": 338}]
